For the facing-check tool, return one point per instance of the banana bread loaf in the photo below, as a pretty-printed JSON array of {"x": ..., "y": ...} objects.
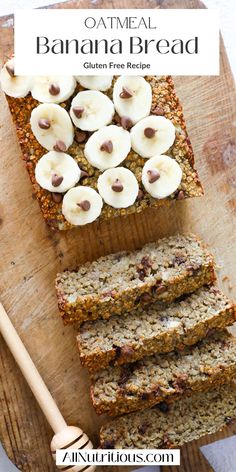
[
  {"x": 171, "y": 426},
  {"x": 154, "y": 329},
  {"x": 118, "y": 283},
  {"x": 160, "y": 377},
  {"x": 62, "y": 97}
]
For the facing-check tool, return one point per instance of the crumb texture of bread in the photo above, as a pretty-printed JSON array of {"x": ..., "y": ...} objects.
[
  {"x": 117, "y": 283},
  {"x": 164, "y": 377},
  {"x": 154, "y": 329},
  {"x": 170, "y": 426}
]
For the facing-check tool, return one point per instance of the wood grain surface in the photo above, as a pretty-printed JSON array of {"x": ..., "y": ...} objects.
[{"x": 31, "y": 255}]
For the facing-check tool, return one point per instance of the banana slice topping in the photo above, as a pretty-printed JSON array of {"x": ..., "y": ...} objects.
[
  {"x": 81, "y": 205},
  {"x": 107, "y": 147},
  {"x": 95, "y": 82},
  {"x": 53, "y": 89},
  {"x": 52, "y": 127},
  {"x": 57, "y": 172},
  {"x": 153, "y": 135},
  {"x": 132, "y": 97},
  {"x": 118, "y": 187},
  {"x": 16, "y": 86},
  {"x": 161, "y": 176},
  {"x": 91, "y": 110}
]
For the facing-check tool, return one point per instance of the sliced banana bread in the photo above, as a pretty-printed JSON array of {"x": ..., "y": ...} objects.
[
  {"x": 160, "y": 377},
  {"x": 154, "y": 329},
  {"x": 118, "y": 283},
  {"x": 170, "y": 426}
]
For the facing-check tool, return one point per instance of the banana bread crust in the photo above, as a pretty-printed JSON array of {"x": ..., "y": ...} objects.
[
  {"x": 170, "y": 426},
  {"x": 154, "y": 329},
  {"x": 119, "y": 283},
  {"x": 165, "y": 377},
  {"x": 164, "y": 98}
]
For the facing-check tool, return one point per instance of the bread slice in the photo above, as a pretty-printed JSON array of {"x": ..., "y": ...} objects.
[
  {"x": 118, "y": 283},
  {"x": 170, "y": 426},
  {"x": 154, "y": 329},
  {"x": 164, "y": 377}
]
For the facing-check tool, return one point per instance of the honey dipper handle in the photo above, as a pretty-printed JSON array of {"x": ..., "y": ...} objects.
[{"x": 31, "y": 374}]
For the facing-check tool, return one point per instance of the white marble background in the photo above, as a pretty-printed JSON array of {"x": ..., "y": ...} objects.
[{"x": 221, "y": 455}]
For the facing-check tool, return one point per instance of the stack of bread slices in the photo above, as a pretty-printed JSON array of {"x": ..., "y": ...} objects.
[{"x": 153, "y": 336}]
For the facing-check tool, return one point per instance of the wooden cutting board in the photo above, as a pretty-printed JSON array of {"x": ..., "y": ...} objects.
[{"x": 31, "y": 255}]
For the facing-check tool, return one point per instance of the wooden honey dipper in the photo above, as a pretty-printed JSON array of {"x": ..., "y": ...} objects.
[{"x": 66, "y": 437}]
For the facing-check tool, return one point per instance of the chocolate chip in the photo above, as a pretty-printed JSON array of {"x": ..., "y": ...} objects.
[
  {"x": 123, "y": 378},
  {"x": 108, "y": 444},
  {"x": 140, "y": 195},
  {"x": 160, "y": 289},
  {"x": 164, "y": 407},
  {"x": 127, "y": 351},
  {"x": 126, "y": 122},
  {"x": 145, "y": 297},
  {"x": 153, "y": 175},
  {"x": 57, "y": 197},
  {"x": 179, "y": 260},
  {"x": 78, "y": 111},
  {"x": 118, "y": 350},
  {"x": 60, "y": 146},
  {"x": 83, "y": 174},
  {"x": 137, "y": 300},
  {"x": 84, "y": 205},
  {"x": 126, "y": 93},
  {"x": 146, "y": 261},
  {"x": 125, "y": 374},
  {"x": 54, "y": 89},
  {"x": 229, "y": 420},
  {"x": 117, "y": 186},
  {"x": 10, "y": 69},
  {"x": 143, "y": 428},
  {"x": 142, "y": 268},
  {"x": 158, "y": 111},
  {"x": 56, "y": 180},
  {"x": 44, "y": 123},
  {"x": 80, "y": 136},
  {"x": 107, "y": 146},
  {"x": 149, "y": 132},
  {"x": 180, "y": 195},
  {"x": 146, "y": 396},
  {"x": 141, "y": 274}
]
